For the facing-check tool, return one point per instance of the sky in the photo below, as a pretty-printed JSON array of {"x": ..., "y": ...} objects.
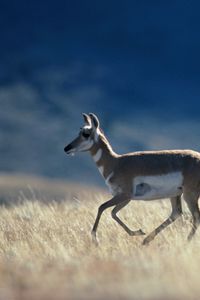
[
  {"x": 145, "y": 47},
  {"x": 133, "y": 63}
]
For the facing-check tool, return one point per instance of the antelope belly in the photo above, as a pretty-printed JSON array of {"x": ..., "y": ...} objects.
[{"x": 158, "y": 186}]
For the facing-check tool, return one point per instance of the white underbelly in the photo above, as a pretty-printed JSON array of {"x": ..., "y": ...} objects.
[{"x": 157, "y": 187}]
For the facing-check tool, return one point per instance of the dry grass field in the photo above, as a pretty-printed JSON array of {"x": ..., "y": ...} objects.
[{"x": 46, "y": 250}]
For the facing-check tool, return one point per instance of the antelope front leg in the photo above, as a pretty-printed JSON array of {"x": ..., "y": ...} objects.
[
  {"x": 115, "y": 210},
  {"x": 114, "y": 201}
]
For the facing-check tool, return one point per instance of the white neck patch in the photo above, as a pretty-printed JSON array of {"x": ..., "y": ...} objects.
[
  {"x": 96, "y": 136},
  {"x": 87, "y": 127},
  {"x": 109, "y": 177},
  {"x": 101, "y": 170},
  {"x": 97, "y": 156}
]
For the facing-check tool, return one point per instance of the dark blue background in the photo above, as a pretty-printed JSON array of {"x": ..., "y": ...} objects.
[{"x": 134, "y": 63}]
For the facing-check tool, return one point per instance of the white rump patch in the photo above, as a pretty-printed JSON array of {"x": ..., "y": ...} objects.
[
  {"x": 158, "y": 186},
  {"x": 97, "y": 156}
]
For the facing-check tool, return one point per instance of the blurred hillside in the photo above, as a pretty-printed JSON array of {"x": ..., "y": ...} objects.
[{"x": 136, "y": 65}]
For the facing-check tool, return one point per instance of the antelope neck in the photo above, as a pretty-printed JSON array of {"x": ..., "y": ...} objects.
[{"x": 103, "y": 156}]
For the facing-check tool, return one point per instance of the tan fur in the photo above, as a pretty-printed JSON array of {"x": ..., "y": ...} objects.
[{"x": 119, "y": 172}]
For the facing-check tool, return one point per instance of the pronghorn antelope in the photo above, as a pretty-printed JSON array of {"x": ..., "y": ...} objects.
[{"x": 143, "y": 175}]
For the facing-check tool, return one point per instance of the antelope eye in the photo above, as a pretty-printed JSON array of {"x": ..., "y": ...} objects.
[{"x": 85, "y": 135}]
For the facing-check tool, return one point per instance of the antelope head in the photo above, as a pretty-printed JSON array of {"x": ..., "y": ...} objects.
[{"x": 87, "y": 137}]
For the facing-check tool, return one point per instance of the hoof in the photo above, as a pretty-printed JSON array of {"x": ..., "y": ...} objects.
[
  {"x": 146, "y": 241},
  {"x": 141, "y": 232},
  {"x": 190, "y": 236},
  {"x": 94, "y": 239},
  {"x": 137, "y": 232}
]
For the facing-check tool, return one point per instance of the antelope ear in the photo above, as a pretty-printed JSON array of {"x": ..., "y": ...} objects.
[
  {"x": 94, "y": 119},
  {"x": 87, "y": 119}
]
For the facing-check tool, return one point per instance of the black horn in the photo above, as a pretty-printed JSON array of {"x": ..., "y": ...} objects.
[
  {"x": 95, "y": 120},
  {"x": 87, "y": 119}
]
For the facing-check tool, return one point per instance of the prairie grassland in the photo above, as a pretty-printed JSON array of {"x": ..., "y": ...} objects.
[{"x": 46, "y": 250}]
